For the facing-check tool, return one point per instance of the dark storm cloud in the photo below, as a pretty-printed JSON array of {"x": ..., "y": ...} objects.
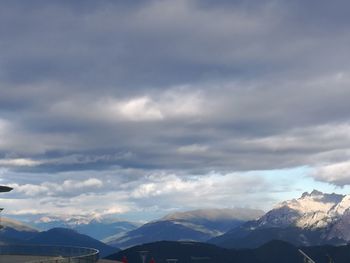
[
  {"x": 187, "y": 87},
  {"x": 154, "y": 44}
]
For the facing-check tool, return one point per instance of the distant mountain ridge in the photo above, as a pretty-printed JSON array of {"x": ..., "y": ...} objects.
[
  {"x": 313, "y": 219},
  {"x": 69, "y": 237},
  {"x": 17, "y": 225},
  {"x": 98, "y": 228},
  {"x": 216, "y": 214},
  {"x": 13, "y": 231},
  {"x": 196, "y": 225}
]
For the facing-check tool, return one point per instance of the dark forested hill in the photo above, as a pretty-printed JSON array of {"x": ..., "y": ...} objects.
[{"x": 271, "y": 252}]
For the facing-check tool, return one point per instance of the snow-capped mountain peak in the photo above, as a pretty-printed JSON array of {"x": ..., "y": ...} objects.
[
  {"x": 313, "y": 219},
  {"x": 66, "y": 220},
  {"x": 314, "y": 202},
  {"x": 342, "y": 206},
  {"x": 311, "y": 210}
]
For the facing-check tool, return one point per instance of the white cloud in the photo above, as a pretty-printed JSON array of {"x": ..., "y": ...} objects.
[
  {"x": 157, "y": 192},
  {"x": 67, "y": 187},
  {"x": 174, "y": 102},
  {"x": 193, "y": 149},
  {"x": 85, "y": 206},
  {"x": 19, "y": 162},
  {"x": 170, "y": 184},
  {"x": 91, "y": 182},
  {"x": 182, "y": 101},
  {"x": 138, "y": 109},
  {"x": 337, "y": 173},
  {"x": 211, "y": 190}
]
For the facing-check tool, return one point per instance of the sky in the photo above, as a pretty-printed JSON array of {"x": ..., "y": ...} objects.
[{"x": 136, "y": 109}]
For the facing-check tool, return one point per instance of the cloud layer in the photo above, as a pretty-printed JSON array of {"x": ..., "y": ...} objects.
[{"x": 178, "y": 87}]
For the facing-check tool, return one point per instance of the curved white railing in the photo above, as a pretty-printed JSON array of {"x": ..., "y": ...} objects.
[{"x": 54, "y": 254}]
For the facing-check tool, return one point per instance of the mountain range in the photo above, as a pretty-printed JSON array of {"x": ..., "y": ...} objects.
[
  {"x": 96, "y": 227},
  {"x": 313, "y": 219},
  {"x": 197, "y": 225},
  {"x": 14, "y": 232}
]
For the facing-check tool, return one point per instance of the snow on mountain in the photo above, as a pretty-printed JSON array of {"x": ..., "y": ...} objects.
[
  {"x": 314, "y": 202},
  {"x": 342, "y": 206},
  {"x": 313, "y": 219},
  {"x": 97, "y": 227},
  {"x": 216, "y": 214},
  {"x": 67, "y": 221},
  {"x": 314, "y": 210}
]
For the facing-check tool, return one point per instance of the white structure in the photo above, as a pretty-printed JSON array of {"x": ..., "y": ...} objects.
[{"x": 307, "y": 259}]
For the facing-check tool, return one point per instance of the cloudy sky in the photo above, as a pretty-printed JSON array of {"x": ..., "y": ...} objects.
[{"x": 139, "y": 108}]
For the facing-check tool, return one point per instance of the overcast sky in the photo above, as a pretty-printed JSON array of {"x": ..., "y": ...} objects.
[{"x": 139, "y": 108}]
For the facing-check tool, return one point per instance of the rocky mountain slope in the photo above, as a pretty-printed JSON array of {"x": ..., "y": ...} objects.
[
  {"x": 314, "y": 218},
  {"x": 197, "y": 225}
]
